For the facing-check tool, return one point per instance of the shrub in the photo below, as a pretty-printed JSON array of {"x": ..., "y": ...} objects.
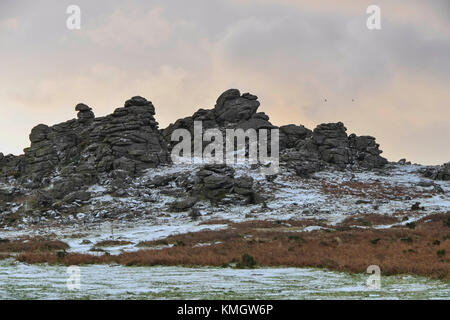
[
  {"x": 247, "y": 261},
  {"x": 447, "y": 221},
  {"x": 180, "y": 243},
  {"x": 411, "y": 225}
]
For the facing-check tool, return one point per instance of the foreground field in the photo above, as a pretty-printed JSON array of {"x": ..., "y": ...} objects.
[
  {"x": 417, "y": 248},
  {"x": 339, "y": 221},
  {"x": 21, "y": 281}
]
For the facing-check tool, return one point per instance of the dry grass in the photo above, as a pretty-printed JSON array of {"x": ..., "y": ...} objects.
[
  {"x": 4, "y": 256},
  {"x": 154, "y": 243},
  {"x": 369, "y": 220},
  {"x": 112, "y": 243},
  {"x": 29, "y": 244},
  {"x": 424, "y": 250}
]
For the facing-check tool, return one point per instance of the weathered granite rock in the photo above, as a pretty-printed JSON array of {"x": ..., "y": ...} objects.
[
  {"x": 183, "y": 204},
  {"x": 328, "y": 142},
  {"x": 72, "y": 155},
  {"x": 332, "y": 143},
  {"x": 82, "y": 196},
  {"x": 85, "y": 113},
  {"x": 290, "y": 135},
  {"x": 215, "y": 182},
  {"x": 335, "y": 147},
  {"x": 438, "y": 173},
  {"x": 243, "y": 185},
  {"x": 443, "y": 172},
  {"x": 232, "y": 110},
  {"x": 83, "y": 148}
]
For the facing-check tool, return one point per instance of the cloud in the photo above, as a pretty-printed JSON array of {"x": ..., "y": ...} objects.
[
  {"x": 292, "y": 54},
  {"x": 132, "y": 28},
  {"x": 9, "y": 24}
]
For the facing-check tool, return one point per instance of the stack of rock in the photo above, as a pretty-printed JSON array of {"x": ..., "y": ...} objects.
[
  {"x": 85, "y": 113},
  {"x": 232, "y": 110},
  {"x": 10, "y": 166},
  {"x": 438, "y": 173},
  {"x": 41, "y": 157},
  {"x": 216, "y": 181},
  {"x": 81, "y": 149},
  {"x": 365, "y": 151},
  {"x": 231, "y": 107},
  {"x": 332, "y": 143},
  {"x": 128, "y": 140},
  {"x": 329, "y": 144},
  {"x": 291, "y": 134}
]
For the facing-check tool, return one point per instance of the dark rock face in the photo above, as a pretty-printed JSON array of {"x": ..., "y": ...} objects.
[
  {"x": 327, "y": 144},
  {"x": 232, "y": 110},
  {"x": 183, "y": 204},
  {"x": 81, "y": 149},
  {"x": 365, "y": 151},
  {"x": 131, "y": 137},
  {"x": 120, "y": 145},
  {"x": 444, "y": 172},
  {"x": 304, "y": 160},
  {"x": 10, "y": 166},
  {"x": 85, "y": 113},
  {"x": 332, "y": 143},
  {"x": 215, "y": 182},
  {"x": 291, "y": 134},
  {"x": 438, "y": 173}
]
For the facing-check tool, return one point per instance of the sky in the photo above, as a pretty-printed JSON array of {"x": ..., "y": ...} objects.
[{"x": 392, "y": 83}]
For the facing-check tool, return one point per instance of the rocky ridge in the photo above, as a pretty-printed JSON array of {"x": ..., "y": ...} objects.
[{"x": 56, "y": 173}]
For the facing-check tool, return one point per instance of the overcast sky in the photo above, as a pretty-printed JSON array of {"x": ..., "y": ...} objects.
[{"x": 392, "y": 83}]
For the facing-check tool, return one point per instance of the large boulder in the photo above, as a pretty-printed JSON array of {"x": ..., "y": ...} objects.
[
  {"x": 183, "y": 204},
  {"x": 39, "y": 133},
  {"x": 85, "y": 113},
  {"x": 366, "y": 151},
  {"x": 291, "y": 134},
  {"x": 439, "y": 172},
  {"x": 232, "y": 110},
  {"x": 231, "y": 107},
  {"x": 129, "y": 139},
  {"x": 215, "y": 182},
  {"x": 332, "y": 143},
  {"x": 335, "y": 147}
]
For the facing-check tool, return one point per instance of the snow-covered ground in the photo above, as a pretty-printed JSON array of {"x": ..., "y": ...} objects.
[
  {"x": 289, "y": 197},
  {"x": 21, "y": 281}
]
